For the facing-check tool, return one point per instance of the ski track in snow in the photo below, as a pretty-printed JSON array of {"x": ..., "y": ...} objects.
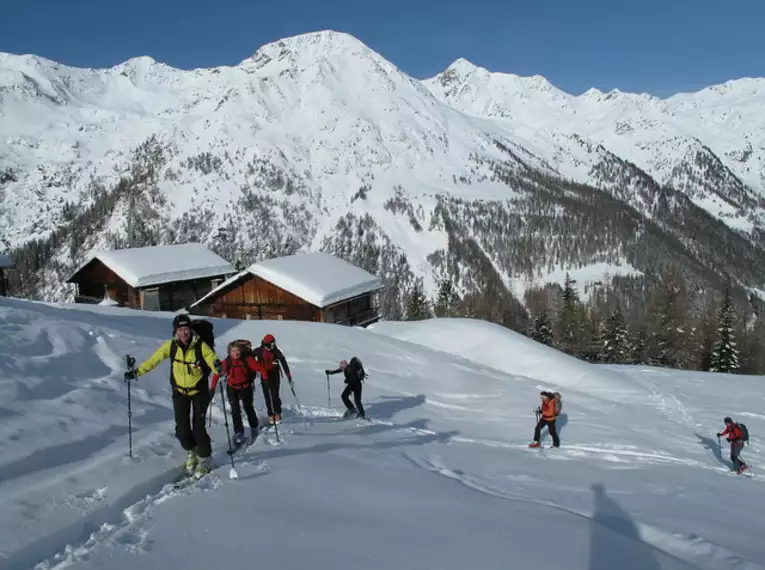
[{"x": 105, "y": 509}]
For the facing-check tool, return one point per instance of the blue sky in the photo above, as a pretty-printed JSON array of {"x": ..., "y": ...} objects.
[{"x": 656, "y": 46}]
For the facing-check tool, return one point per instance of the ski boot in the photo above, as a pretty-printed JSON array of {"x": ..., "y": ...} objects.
[
  {"x": 535, "y": 444},
  {"x": 204, "y": 466},
  {"x": 742, "y": 469},
  {"x": 238, "y": 439},
  {"x": 192, "y": 459}
]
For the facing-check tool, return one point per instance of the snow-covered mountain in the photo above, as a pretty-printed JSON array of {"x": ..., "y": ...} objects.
[
  {"x": 317, "y": 142},
  {"x": 440, "y": 478}
]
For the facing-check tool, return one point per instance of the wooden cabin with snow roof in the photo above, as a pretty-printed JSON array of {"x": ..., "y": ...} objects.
[
  {"x": 315, "y": 287},
  {"x": 155, "y": 278}
]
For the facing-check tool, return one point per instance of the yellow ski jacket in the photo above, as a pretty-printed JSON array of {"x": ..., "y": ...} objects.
[{"x": 186, "y": 368}]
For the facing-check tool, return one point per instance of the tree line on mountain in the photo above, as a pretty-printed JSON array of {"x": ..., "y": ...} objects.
[{"x": 680, "y": 329}]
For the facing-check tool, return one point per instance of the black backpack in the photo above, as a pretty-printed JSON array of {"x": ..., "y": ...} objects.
[
  {"x": 744, "y": 433},
  {"x": 357, "y": 368}
]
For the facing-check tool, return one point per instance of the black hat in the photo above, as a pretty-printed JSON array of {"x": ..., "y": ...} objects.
[
  {"x": 728, "y": 421},
  {"x": 181, "y": 321}
]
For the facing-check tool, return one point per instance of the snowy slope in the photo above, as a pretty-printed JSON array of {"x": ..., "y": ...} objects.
[
  {"x": 272, "y": 156},
  {"x": 441, "y": 478}
]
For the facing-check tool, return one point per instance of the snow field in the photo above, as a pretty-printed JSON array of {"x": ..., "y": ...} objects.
[{"x": 440, "y": 478}]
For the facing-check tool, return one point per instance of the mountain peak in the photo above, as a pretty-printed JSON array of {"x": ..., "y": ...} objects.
[
  {"x": 312, "y": 45},
  {"x": 463, "y": 66}
]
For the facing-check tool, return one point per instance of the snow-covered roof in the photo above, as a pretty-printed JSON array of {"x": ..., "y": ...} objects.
[
  {"x": 5, "y": 261},
  {"x": 160, "y": 264},
  {"x": 319, "y": 278}
]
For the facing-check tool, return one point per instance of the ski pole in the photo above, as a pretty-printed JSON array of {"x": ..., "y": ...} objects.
[
  {"x": 329, "y": 404},
  {"x": 292, "y": 387},
  {"x": 130, "y": 361},
  {"x": 231, "y": 474}
]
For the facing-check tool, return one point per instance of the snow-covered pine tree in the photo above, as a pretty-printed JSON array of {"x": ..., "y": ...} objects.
[
  {"x": 616, "y": 344},
  {"x": 542, "y": 330},
  {"x": 725, "y": 352},
  {"x": 418, "y": 307}
]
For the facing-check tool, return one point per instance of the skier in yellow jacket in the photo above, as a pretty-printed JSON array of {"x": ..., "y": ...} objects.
[{"x": 191, "y": 392}]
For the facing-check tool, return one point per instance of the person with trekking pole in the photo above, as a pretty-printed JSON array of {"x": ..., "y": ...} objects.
[
  {"x": 549, "y": 412},
  {"x": 354, "y": 376},
  {"x": 737, "y": 436},
  {"x": 241, "y": 370},
  {"x": 192, "y": 360},
  {"x": 269, "y": 356}
]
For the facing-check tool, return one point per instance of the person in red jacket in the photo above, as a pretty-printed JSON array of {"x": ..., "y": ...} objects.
[
  {"x": 736, "y": 439},
  {"x": 548, "y": 417},
  {"x": 269, "y": 356},
  {"x": 240, "y": 373}
]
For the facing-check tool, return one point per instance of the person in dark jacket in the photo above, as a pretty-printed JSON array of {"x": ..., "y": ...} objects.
[
  {"x": 736, "y": 439},
  {"x": 354, "y": 374},
  {"x": 269, "y": 356}
]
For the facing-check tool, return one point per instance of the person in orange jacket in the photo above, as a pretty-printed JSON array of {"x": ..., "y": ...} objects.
[
  {"x": 736, "y": 439},
  {"x": 548, "y": 418}
]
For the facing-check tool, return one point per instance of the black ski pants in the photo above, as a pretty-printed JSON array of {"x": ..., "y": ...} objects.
[
  {"x": 190, "y": 413},
  {"x": 242, "y": 398},
  {"x": 355, "y": 389},
  {"x": 550, "y": 427},
  {"x": 735, "y": 451},
  {"x": 271, "y": 390}
]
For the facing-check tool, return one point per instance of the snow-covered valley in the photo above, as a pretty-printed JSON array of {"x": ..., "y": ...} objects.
[{"x": 441, "y": 477}]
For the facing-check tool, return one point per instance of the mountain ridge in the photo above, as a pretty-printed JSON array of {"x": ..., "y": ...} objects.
[{"x": 317, "y": 141}]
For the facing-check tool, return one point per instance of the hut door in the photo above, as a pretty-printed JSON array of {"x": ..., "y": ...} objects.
[{"x": 150, "y": 299}]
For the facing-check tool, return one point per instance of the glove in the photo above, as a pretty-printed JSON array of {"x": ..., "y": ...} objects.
[
  {"x": 718, "y": 435},
  {"x": 327, "y": 372},
  {"x": 218, "y": 367},
  {"x": 130, "y": 375}
]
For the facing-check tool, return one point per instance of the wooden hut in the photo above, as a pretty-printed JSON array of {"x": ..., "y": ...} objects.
[
  {"x": 306, "y": 287},
  {"x": 5, "y": 263},
  {"x": 155, "y": 278}
]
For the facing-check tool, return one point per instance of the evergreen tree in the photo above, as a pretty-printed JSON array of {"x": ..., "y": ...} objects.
[
  {"x": 447, "y": 302},
  {"x": 640, "y": 353},
  {"x": 417, "y": 307},
  {"x": 707, "y": 334},
  {"x": 669, "y": 341},
  {"x": 725, "y": 352},
  {"x": 571, "y": 322},
  {"x": 616, "y": 345},
  {"x": 542, "y": 330}
]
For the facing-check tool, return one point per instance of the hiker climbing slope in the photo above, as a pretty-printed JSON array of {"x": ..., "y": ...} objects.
[
  {"x": 354, "y": 375},
  {"x": 241, "y": 370},
  {"x": 549, "y": 411},
  {"x": 192, "y": 359},
  {"x": 269, "y": 356},
  {"x": 737, "y": 437}
]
